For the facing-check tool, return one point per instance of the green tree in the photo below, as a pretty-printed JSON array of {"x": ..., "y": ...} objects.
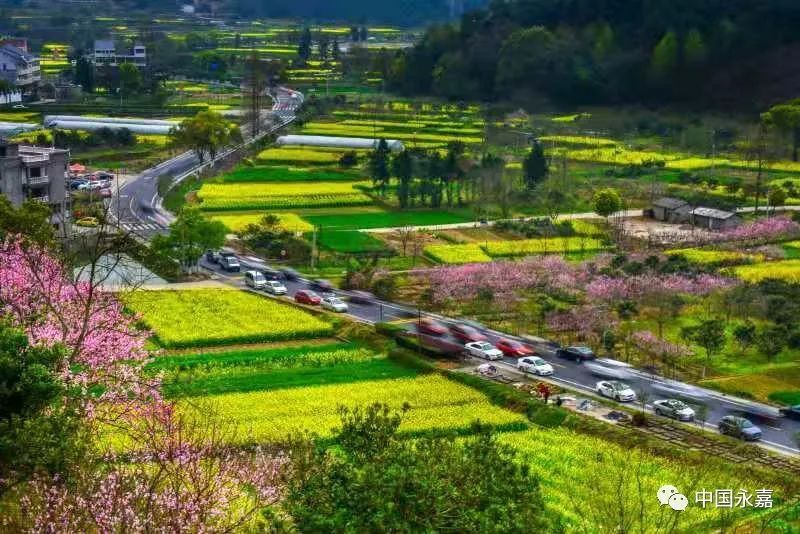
[
  {"x": 606, "y": 202},
  {"x": 379, "y": 166},
  {"x": 37, "y": 430},
  {"x": 205, "y": 133},
  {"x": 376, "y": 481},
  {"x": 745, "y": 334},
  {"x": 665, "y": 57},
  {"x": 84, "y": 74},
  {"x": 31, "y": 220},
  {"x": 709, "y": 334},
  {"x": 534, "y": 167},
  {"x": 604, "y": 42},
  {"x": 771, "y": 340},
  {"x": 130, "y": 79},
  {"x": 402, "y": 168},
  {"x": 777, "y": 197},
  {"x": 786, "y": 117},
  {"x": 694, "y": 48},
  {"x": 304, "y": 46},
  {"x": 526, "y": 56},
  {"x": 190, "y": 235}
]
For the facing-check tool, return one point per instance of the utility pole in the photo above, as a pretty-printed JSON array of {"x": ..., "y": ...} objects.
[{"x": 314, "y": 249}]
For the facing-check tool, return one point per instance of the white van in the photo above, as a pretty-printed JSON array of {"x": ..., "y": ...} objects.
[{"x": 255, "y": 279}]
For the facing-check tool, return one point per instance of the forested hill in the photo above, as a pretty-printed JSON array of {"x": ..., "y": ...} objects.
[
  {"x": 398, "y": 12},
  {"x": 611, "y": 51}
]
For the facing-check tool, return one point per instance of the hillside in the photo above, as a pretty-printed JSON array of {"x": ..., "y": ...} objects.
[{"x": 578, "y": 52}]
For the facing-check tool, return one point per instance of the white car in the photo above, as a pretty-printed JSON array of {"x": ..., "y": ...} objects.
[
  {"x": 275, "y": 287},
  {"x": 614, "y": 389},
  {"x": 673, "y": 408},
  {"x": 535, "y": 365},
  {"x": 334, "y": 303},
  {"x": 254, "y": 279},
  {"x": 483, "y": 349}
]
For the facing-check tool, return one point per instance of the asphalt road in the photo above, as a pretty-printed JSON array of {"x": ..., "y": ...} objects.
[
  {"x": 778, "y": 433},
  {"x": 136, "y": 205}
]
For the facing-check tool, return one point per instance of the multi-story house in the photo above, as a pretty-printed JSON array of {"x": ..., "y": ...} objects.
[
  {"x": 19, "y": 67},
  {"x": 36, "y": 173},
  {"x": 105, "y": 53}
]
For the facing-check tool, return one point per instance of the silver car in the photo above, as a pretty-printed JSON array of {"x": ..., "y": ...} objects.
[
  {"x": 673, "y": 408},
  {"x": 613, "y": 389}
]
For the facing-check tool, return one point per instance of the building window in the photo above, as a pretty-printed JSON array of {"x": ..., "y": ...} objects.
[{"x": 36, "y": 172}]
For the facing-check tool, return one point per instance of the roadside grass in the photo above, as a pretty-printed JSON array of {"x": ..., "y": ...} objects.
[{"x": 779, "y": 382}]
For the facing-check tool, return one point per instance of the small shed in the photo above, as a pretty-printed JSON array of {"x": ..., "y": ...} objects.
[
  {"x": 669, "y": 209},
  {"x": 714, "y": 219}
]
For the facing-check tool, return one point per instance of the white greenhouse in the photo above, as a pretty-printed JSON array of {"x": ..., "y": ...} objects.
[
  {"x": 337, "y": 142},
  {"x": 10, "y": 129},
  {"x": 90, "y": 124}
]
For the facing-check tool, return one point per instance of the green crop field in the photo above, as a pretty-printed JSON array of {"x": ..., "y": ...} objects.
[
  {"x": 435, "y": 403},
  {"x": 236, "y": 222},
  {"x": 205, "y": 317},
  {"x": 287, "y": 195},
  {"x": 788, "y": 270},
  {"x": 387, "y": 219},
  {"x": 287, "y": 174},
  {"x": 349, "y": 241},
  {"x": 457, "y": 254}
]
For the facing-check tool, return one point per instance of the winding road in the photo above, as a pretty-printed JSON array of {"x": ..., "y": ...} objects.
[
  {"x": 778, "y": 433},
  {"x": 137, "y": 208},
  {"x": 137, "y": 205}
]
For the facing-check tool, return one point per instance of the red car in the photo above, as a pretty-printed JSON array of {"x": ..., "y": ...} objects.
[
  {"x": 512, "y": 348},
  {"x": 431, "y": 327},
  {"x": 466, "y": 334},
  {"x": 307, "y": 297}
]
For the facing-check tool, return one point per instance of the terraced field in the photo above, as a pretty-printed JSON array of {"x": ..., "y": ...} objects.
[
  {"x": 203, "y": 317},
  {"x": 289, "y": 195}
]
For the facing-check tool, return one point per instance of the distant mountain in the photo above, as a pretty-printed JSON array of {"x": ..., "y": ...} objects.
[
  {"x": 732, "y": 54},
  {"x": 396, "y": 12}
]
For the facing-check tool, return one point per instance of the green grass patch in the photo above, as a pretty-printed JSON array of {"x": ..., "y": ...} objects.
[
  {"x": 243, "y": 380},
  {"x": 790, "y": 398},
  {"x": 285, "y": 357},
  {"x": 349, "y": 241},
  {"x": 388, "y": 219},
  {"x": 287, "y": 174}
]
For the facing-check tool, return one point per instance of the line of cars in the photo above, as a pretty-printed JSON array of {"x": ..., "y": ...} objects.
[
  {"x": 319, "y": 293},
  {"x": 99, "y": 181},
  {"x": 476, "y": 344}
]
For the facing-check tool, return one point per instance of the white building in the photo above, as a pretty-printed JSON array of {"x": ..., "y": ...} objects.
[
  {"x": 105, "y": 53},
  {"x": 19, "y": 68}
]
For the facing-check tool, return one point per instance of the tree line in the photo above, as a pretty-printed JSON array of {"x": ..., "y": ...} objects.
[{"x": 593, "y": 51}]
